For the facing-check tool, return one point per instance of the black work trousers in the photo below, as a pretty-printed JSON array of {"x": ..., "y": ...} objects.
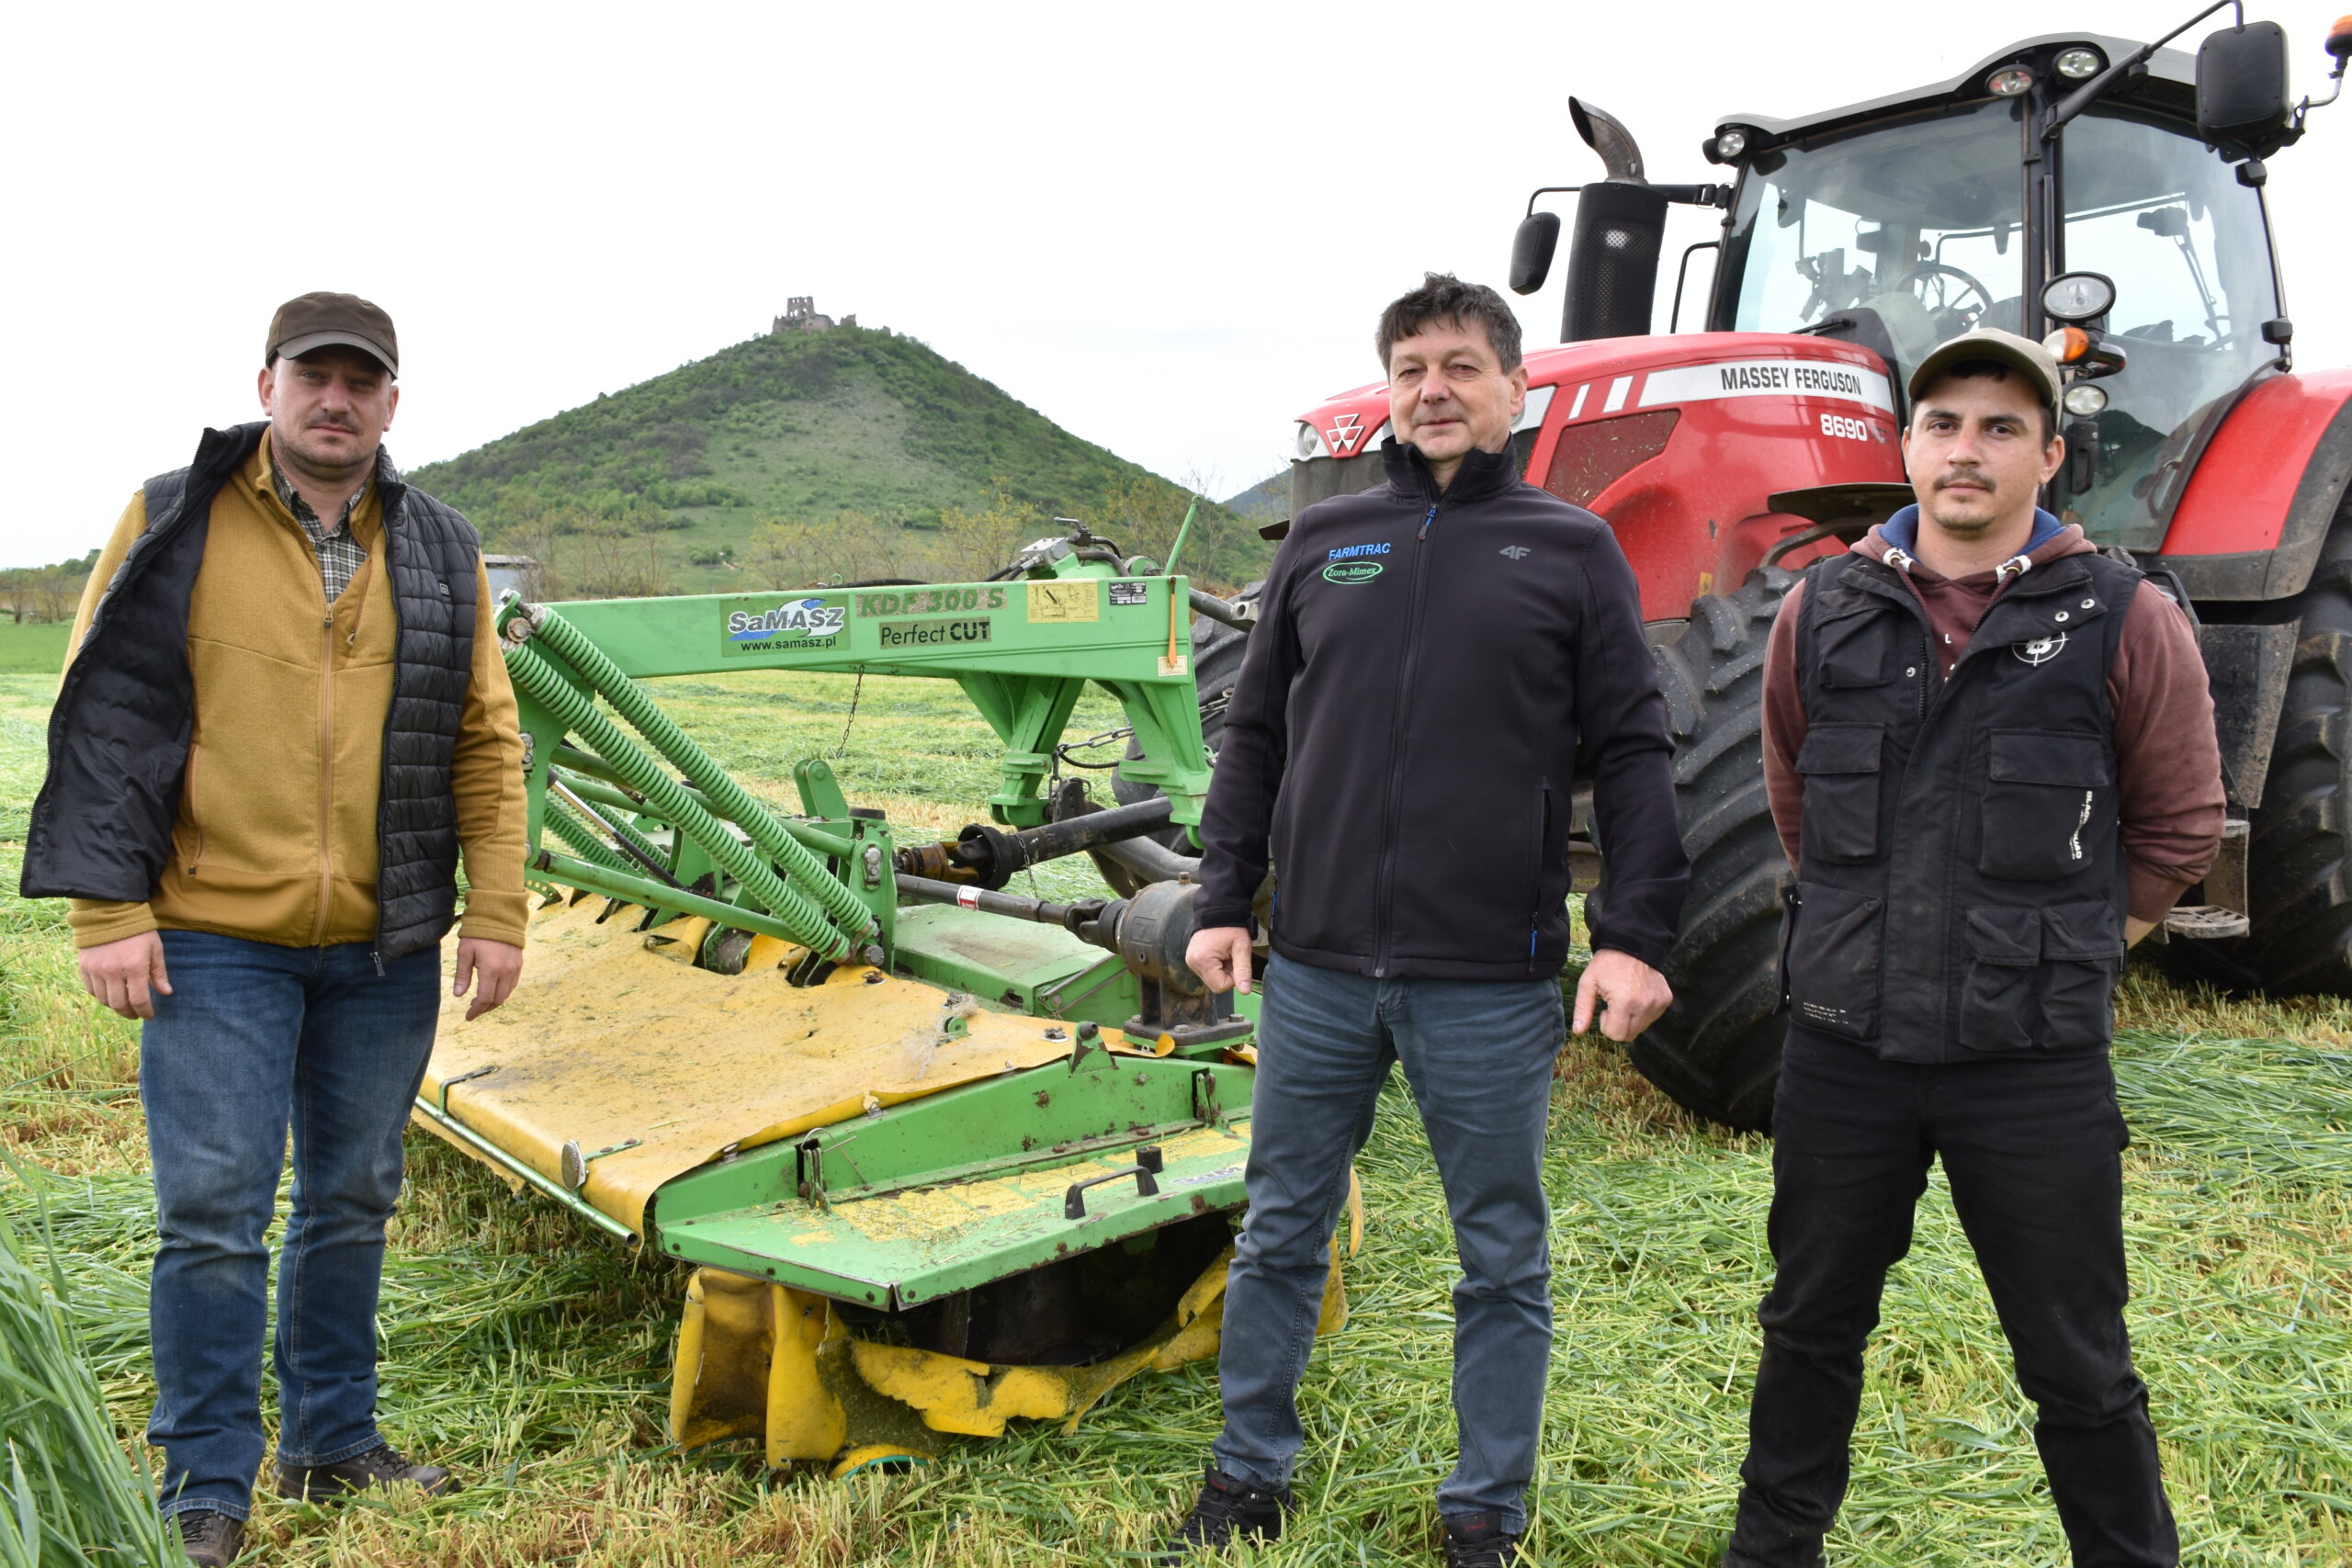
[{"x": 2031, "y": 1145}]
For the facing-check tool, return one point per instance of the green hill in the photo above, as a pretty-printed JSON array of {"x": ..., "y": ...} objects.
[{"x": 852, "y": 452}]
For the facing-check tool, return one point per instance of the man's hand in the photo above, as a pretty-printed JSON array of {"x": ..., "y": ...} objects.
[
  {"x": 1629, "y": 993},
  {"x": 123, "y": 974},
  {"x": 1220, "y": 956},
  {"x": 499, "y": 964}
]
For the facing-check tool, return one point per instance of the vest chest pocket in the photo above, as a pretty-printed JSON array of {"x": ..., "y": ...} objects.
[
  {"x": 1840, "y": 764},
  {"x": 2041, "y": 977},
  {"x": 2041, "y": 790},
  {"x": 1835, "y": 961},
  {"x": 1854, "y": 648}
]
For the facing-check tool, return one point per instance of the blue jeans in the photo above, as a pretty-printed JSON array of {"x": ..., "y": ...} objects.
[
  {"x": 1479, "y": 1057},
  {"x": 253, "y": 1038}
]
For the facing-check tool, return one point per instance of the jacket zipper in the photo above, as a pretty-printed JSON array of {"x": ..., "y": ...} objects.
[
  {"x": 1542, "y": 837},
  {"x": 327, "y": 773},
  {"x": 1396, "y": 748}
]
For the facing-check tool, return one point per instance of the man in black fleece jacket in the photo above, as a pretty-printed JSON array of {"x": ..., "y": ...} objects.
[{"x": 1434, "y": 660}]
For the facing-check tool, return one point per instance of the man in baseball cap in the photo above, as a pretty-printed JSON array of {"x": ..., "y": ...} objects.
[
  {"x": 313, "y": 321},
  {"x": 1990, "y": 754},
  {"x": 293, "y": 622}
]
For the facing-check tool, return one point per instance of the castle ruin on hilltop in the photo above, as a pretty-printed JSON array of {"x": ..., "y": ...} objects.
[{"x": 800, "y": 315}]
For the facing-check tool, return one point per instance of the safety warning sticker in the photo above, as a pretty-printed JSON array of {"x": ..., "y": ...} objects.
[{"x": 1065, "y": 599}]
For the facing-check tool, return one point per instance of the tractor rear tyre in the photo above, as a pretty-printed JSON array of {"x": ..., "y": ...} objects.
[
  {"x": 1717, "y": 1049},
  {"x": 1217, "y": 665},
  {"x": 2299, "y": 849}
]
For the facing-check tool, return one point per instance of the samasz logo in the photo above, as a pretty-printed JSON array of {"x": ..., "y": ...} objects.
[{"x": 797, "y": 623}]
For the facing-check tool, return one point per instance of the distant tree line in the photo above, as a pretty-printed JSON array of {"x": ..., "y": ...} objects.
[{"x": 44, "y": 592}]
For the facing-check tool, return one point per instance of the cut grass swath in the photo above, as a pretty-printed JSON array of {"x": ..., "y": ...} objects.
[{"x": 72, "y": 1493}]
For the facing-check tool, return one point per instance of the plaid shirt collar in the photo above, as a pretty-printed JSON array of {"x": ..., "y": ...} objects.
[{"x": 340, "y": 553}]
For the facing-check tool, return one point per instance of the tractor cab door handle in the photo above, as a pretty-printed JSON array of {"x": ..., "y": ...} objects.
[{"x": 1146, "y": 1170}]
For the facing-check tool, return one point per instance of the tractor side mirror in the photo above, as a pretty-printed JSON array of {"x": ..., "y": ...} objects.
[
  {"x": 2242, "y": 98},
  {"x": 1612, "y": 261},
  {"x": 1531, "y": 251}
]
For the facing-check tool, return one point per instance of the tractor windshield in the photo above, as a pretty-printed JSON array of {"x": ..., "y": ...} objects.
[
  {"x": 2158, "y": 212},
  {"x": 1896, "y": 237}
]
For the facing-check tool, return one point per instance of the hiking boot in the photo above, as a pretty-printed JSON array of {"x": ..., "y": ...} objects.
[
  {"x": 1228, "y": 1508},
  {"x": 380, "y": 1466},
  {"x": 1479, "y": 1540},
  {"x": 211, "y": 1540}
]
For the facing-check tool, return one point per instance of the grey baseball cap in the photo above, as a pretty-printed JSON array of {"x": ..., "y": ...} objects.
[
  {"x": 2020, "y": 353},
  {"x": 311, "y": 322}
]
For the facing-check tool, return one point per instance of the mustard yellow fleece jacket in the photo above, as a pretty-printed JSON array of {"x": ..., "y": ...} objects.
[{"x": 276, "y": 837}]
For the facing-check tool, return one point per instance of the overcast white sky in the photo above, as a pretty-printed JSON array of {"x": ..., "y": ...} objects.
[{"x": 1169, "y": 227}]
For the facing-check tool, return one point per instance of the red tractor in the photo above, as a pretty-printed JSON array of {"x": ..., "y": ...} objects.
[{"x": 2105, "y": 192}]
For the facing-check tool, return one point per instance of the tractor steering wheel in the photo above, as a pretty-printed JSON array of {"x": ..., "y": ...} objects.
[{"x": 1952, "y": 312}]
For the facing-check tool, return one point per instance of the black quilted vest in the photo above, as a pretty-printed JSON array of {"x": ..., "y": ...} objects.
[
  {"x": 1961, "y": 876},
  {"x": 119, "y": 735}
]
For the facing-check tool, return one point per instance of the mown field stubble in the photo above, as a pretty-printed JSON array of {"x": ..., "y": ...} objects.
[{"x": 522, "y": 1349}]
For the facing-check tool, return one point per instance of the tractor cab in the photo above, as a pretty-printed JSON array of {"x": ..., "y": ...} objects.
[{"x": 1899, "y": 223}]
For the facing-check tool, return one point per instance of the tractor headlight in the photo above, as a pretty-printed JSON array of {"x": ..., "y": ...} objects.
[
  {"x": 1731, "y": 144},
  {"x": 2078, "y": 297},
  {"x": 2084, "y": 400},
  {"x": 2075, "y": 64},
  {"x": 1304, "y": 442},
  {"x": 2008, "y": 82}
]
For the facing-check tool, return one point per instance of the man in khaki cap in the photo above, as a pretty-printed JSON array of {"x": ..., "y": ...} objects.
[
  {"x": 283, "y": 720},
  {"x": 1991, "y": 759}
]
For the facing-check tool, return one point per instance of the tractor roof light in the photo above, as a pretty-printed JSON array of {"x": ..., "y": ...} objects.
[
  {"x": 2078, "y": 297},
  {"x": 1730, "y": 144},
  {"x": 2068, "y": 346},
  {"x": 2084, "y": 401},
  {"x": 2008, "y": 82},
  {"x": 2077, "y": 64}
]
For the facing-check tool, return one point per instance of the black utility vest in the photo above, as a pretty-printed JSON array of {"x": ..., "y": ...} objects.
[
  {"x": 1961, "y": 877},
  {"x": 118, "y": 733}
]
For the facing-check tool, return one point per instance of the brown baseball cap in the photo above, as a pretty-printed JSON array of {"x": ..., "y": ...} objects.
[
  {"x": 316, "y": 321},
  {"x": 2020, "y": 353}
]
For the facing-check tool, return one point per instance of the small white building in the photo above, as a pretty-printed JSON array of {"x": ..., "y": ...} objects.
[{"x": 514, "y": 574}]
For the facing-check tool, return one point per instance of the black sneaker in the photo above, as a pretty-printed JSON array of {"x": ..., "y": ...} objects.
[
  {"x": 211, "y": 1540},
  {"x": 1227, "y": 1508},
  {"x": 380, "y": 1466},
  {"x": 1479, "y": 1540}
]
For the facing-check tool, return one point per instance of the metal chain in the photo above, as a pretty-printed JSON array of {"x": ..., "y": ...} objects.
[{"x": 1209, "y": 709}]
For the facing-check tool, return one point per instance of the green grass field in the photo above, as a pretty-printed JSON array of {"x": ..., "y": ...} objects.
[
  {"x": 521, "y": 1350},
  {"x": 32, "y": 647}
]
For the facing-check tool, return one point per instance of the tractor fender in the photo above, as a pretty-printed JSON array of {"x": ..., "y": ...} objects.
[{"x": 2251, "y": 523}]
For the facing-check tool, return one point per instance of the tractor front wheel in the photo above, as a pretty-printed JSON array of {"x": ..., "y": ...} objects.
[
  {"x": 1717, "y": 1050},
  {"x": 2299, "y": 849}
]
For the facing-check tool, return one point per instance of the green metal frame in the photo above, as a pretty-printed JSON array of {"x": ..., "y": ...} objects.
[{"x": 738, "y": 1212}]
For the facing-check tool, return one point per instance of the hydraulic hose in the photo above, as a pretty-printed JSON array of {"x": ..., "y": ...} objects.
[
  {"x": 614, "y": 829},
  {"x": 565, "y": 824},
  {"x": 795, "y": 912},
  {"x": 728, "y": 798}
]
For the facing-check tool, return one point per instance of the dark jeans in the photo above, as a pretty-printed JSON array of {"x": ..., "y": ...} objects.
[
  {"x": 1479, "y": 1057},
  {"x": 255, "y": 1039},
  {"x": 2030, "y": 1144}
]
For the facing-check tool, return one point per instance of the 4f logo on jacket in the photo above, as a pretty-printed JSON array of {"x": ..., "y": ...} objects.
[{"x": 1515, "y": 552}]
